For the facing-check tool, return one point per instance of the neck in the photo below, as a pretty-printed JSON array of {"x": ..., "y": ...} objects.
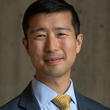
[{"x": 58, "y": 84}]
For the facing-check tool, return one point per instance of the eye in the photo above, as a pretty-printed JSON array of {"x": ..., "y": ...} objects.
[
  {"x": 61, "y": 34},
  {"x": 40, "y": 36}
]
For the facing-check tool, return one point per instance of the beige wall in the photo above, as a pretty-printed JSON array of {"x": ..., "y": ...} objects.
[{"x": 91, "y": 72}]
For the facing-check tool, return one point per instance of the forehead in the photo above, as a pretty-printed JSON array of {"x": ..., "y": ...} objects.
[{"x": 51, "y": 18}]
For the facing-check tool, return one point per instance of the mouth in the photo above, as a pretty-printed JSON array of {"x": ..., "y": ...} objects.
[{"x": 54, "y": 60}]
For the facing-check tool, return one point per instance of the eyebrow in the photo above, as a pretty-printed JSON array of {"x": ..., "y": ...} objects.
[
  {"x": 62, "y": 28},
  {"x": 44, "y": 29},
  {"x": 37, "y": 30}
]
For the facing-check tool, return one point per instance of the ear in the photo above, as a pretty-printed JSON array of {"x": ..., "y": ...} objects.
[
  {"x": 79, "y": 40},
  {"x": 26, "y": 46}
]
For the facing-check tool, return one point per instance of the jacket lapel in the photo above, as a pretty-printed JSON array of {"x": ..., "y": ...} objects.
[
  {"x": 27, "y": 99},
  {"x": 81, "y": 101},
  {"x": 29, "y": 102}
]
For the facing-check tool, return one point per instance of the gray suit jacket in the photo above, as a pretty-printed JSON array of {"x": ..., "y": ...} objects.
[{"x": 27, "y": 101}]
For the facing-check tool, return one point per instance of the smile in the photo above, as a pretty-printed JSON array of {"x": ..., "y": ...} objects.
[{"x": 53, "y": 60}]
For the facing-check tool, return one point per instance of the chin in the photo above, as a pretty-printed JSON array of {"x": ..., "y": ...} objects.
[{"x": 56, "y": 73}]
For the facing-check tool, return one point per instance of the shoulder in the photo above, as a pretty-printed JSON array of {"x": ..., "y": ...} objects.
[
  {"x": 25, "y": 100},
  {"x": 11, "y": 105},
  {"x": 95, "y": 105},
  {"x": 89, "y": 103}
]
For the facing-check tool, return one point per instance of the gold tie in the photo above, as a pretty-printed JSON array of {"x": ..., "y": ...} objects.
[{"x": 62, "y": 101}]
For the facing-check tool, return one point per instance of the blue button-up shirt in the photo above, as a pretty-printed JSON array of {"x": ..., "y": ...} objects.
[{"x": 45, "y": 95}]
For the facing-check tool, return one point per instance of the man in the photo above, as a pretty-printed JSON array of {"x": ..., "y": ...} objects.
[{"x": 52, "y": 41}]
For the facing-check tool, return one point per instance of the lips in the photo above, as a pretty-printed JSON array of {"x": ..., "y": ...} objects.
[{"x": 53, "y": 60}]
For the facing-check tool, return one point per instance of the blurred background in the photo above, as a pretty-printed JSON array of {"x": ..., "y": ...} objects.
[{"x": 91, "y": 71}]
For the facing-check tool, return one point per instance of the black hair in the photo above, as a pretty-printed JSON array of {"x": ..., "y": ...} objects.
[{"x": 49, "y": 6}]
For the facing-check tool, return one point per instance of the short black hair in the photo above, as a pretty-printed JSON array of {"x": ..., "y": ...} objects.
[{"x": 49, "y": 6}]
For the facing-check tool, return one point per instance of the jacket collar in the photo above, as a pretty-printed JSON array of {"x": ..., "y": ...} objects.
[
  {"x": 82, "y": 101},
  {"x": 27, "y": 99}
]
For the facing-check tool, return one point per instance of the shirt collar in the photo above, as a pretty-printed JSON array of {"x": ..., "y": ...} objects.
[
  {"x": 44, "y": 94},
  {"x": 71, "y": 92}
]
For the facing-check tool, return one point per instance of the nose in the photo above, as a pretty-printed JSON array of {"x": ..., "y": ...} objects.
[{"x": 51, "y": 44}]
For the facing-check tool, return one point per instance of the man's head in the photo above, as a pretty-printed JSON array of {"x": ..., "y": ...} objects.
[
  {"x": 50, "y": 6},
  {"x": 50, "y": 37}
]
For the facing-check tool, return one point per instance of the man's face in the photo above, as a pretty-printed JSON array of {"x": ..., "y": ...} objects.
[{"x": 52, "y": 44}]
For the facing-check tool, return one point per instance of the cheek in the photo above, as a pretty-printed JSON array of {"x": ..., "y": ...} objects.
[
  {"x": 68, "y": 46},
  {"x": 69, "y": 49},
  {"x": 36, "y": 49}
]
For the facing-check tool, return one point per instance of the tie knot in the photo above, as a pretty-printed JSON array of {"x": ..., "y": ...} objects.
[{"x": 62, "y": 101}]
